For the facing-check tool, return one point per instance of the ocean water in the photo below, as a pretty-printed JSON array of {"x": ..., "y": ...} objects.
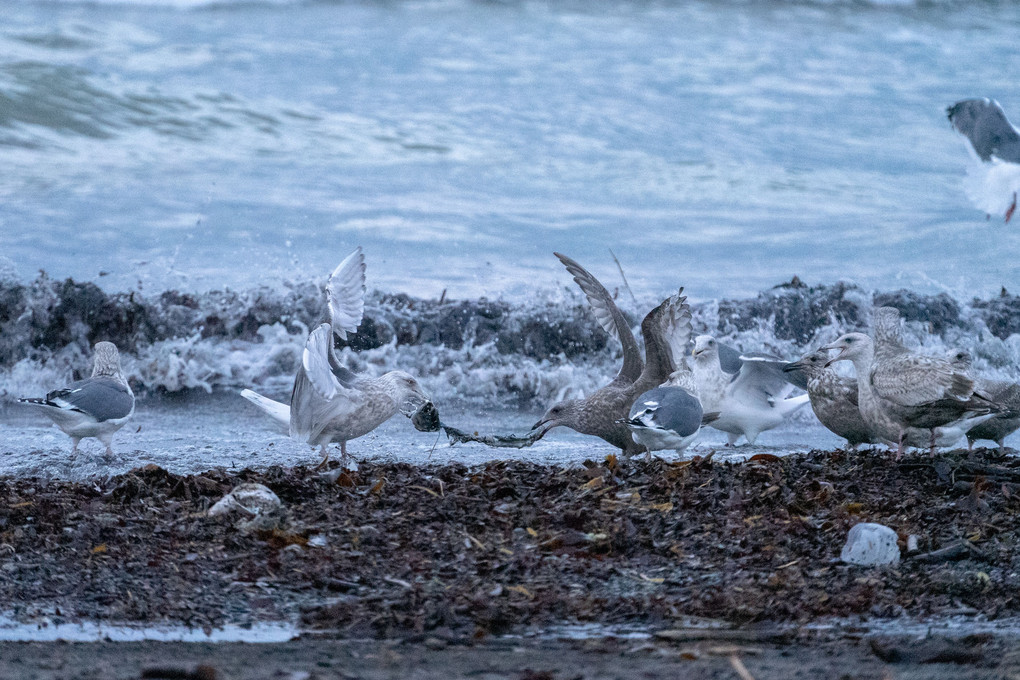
[{"x": 195, "y": 168}]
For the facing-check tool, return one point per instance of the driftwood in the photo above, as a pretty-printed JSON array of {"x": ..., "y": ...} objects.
[{"x": 954, "y": 551}]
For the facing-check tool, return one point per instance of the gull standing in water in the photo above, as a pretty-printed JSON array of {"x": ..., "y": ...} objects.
[
  {"x": 604, "y": 412},
  {"x": 993, "y": 188},
  {"x": 329, "y": 402},
  {"x": 754, "y": 399},
  {"x": 95, "y": 407}
]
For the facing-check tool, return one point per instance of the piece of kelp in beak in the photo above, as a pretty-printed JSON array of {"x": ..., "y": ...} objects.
[{"x": 426, "y": 418}]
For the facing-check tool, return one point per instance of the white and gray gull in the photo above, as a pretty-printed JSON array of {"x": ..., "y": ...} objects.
[
  {"x": 1005, "y": 393},
  {"x": 329, "y": 402},
  {"x": 671, "y": 416},
  {"x": 996, "y": 142},
  {"x": 95, "y": 407},
  {"x": 751, "y": 393},
  {"x": 604, "y": 413}
]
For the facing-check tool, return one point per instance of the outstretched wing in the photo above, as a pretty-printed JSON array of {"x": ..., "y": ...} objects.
[
  {"x": 345, "y": 294},
  {"x": 984, "y": 124},
  {"x": 319, "y": 395},
  {"x": 609, "y": 317}
]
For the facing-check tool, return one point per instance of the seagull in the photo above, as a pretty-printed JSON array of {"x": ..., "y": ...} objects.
[
  {"x": 833, "y": 398},
  {"x": 671, "y": 416},
  {"x": 329, "y": 402},
  {"x": 997, "y": 144},
  {"x": 95, "y": 407},
  {"x": 668, "y": 417},
  {"x": 1003, "y": 392},
  {"x": 910, "y": 390},
  {"x": 604, "y": 413},
  {"x": 755, "y": 398}
]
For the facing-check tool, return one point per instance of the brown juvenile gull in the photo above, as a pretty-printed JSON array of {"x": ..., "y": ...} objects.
[
  {"x": 95, "y": 407},
  {"x": 911, "y": 390},
  {"x": 604, "y": 412},
  {"x": 329, "y": 402},
  {"x": 755, "y": 399},
  {"x": 1005, "y": 393},
  {"x": 833, "y": 398},
  {"x": 996, "y": 142}
]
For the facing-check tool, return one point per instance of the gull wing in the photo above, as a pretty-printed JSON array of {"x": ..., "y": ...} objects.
[
  {"x": 609, "y": 317},
  {"x": 101, "y": 398},
  {"x": 916, "y": 379},
  {"x": 984, "y": 124},
  {"x": 345, "y": 294}
]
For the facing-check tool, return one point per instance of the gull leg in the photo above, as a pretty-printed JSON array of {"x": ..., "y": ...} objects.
[
  {"x": 325, "y": 458},
  {"x": 1011, "y": 209},
  {"x": 731, "y": 439},
  {"x": 899, "y": 449},
  {"x": 74, "y": 449},
  {"x": 344, "y": 458}
]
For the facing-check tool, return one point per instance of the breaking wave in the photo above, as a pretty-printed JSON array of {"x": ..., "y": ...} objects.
[{"x": 482, "y": 351}]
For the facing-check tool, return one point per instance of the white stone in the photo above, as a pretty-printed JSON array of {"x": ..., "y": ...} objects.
[
  {"x": 870, "y": 545},
  {"x": 248, "y": 499}
]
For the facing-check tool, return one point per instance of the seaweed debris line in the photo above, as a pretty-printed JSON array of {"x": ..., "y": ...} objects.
[{"x": 397, "y": 550}]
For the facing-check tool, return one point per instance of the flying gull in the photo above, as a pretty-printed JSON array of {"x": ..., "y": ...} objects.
[
  {"x": 996, "y": 143},
  {"x": 95, "y": 407},
  {"x": 757, "y": 397},
  {"x": 329, "y": 402},
  {"x": 1006, "y": 393},
  {"x": 910, "y": 390},
  {"x": 604, "y": 413}
]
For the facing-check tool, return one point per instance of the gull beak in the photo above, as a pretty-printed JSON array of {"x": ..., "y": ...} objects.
[
  {"x": 544, "y": 424},
  {"x": 414, "y": 402},
  {"x": 793, "y": 366},
  {"x": 842, "y": 349}
]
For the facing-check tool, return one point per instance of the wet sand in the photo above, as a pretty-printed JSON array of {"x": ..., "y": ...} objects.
[{"x": 597, "y": 659}]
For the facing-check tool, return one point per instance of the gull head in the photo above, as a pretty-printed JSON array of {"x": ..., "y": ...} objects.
[
  {"x": 810, "y": 364},
  {"x": 851, "y": 346},
  {"x": 406, "y": 391},
  {"x": 107, "y": 360},
  {"x": 566, "y": 413},
  {"x": 705, "y": 349}
]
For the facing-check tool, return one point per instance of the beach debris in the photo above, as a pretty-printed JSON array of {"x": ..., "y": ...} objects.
[
  {"x": 426, "y": 418},
  {"x": 251, "y": 500},
  {"x": 201, "y": 672},
  {"x": 511, "y": 441},
  {"x": 869, "y": 545}
]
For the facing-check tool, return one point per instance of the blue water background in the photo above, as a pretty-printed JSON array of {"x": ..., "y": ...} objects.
[{"x": 724, "y": 146}]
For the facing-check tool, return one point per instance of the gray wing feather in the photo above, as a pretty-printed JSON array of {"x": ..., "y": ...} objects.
[
  {"x": 984, "y": 123},
  {"x": 672, "y": 408},
  {"x": 101, "y": 397},
  {"x": 345, "y": 293},
  {"x": 609, "y": 317},
  {"x": 729, "y": 359},
  {"x": 316, "y": 362},
  {"x": 764, "y": 375},
  {"x": 915, "y": 379}
]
